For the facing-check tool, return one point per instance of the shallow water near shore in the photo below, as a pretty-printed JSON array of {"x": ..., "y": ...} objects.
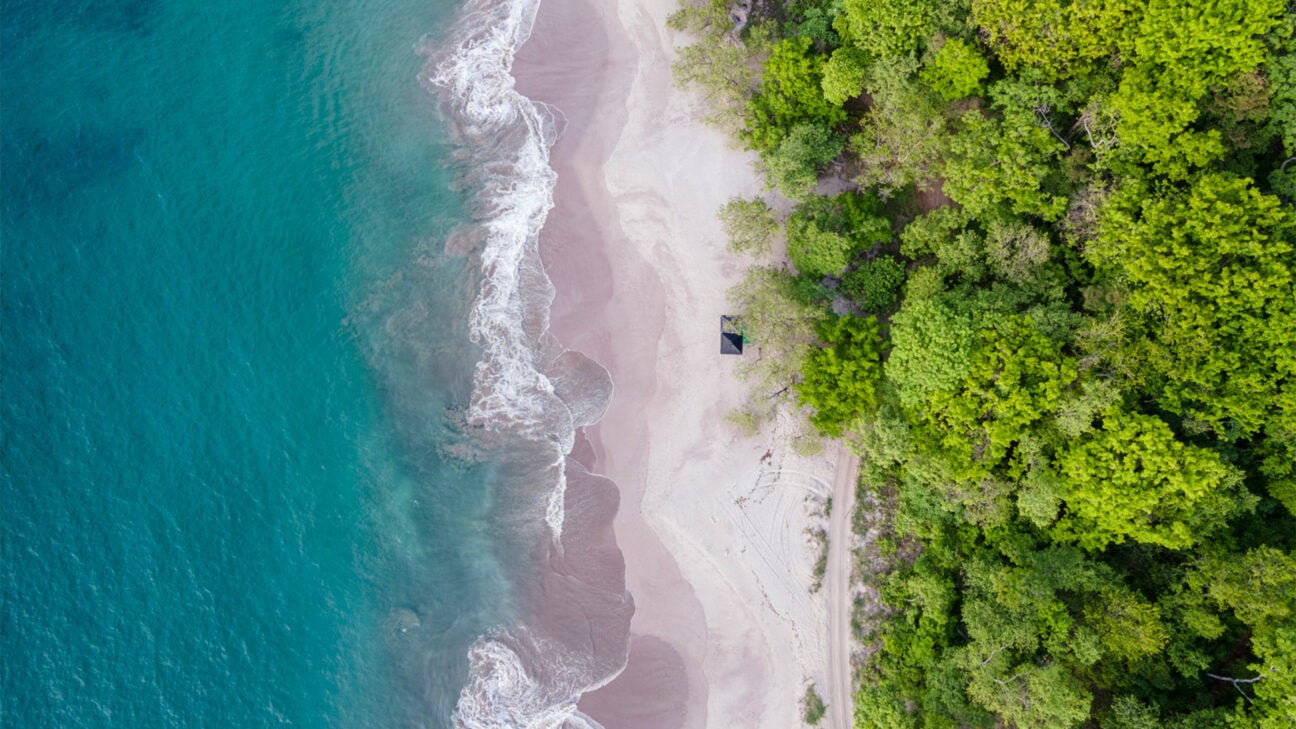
[{"x": 242, "y": 479}]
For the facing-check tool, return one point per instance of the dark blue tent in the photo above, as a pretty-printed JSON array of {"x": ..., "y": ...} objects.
[{"x": 731, "y": 338}]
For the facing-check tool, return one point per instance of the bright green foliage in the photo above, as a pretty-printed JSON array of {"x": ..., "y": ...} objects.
[
  {"x": 886, "y": 27},
  {"x": 791, "y": 94},
  {"x": 995, "y": 167},
  {"x": 1024, "y": 32},
  {"x": 1213, "y": 269},
  {"x": 1016, "y": 378},
  {"x": 843, "y": 75},
  {"x": 925, "y": 282},
  {"x": 1197, "y": 45},
  {"x": 1134, "y": 480},
  {"x": 826, "y": 232},
  {"x": 956, "y": 71},
  {"x": 1275, "y": 705},
  {"x": 841, "y": 376},
  {"x": 880, "y": 709},
  {"x": 874, "y": 285},
  {"x": 1181, "y": 50},
  {"x": 1054, "y": 37},
  {"x": 925, "y": 598},
  {"x": 750, "y": 225},
  {"x": 961, "y": 254},
  {"x": 815, "y": 251},
  {"x": 927, "y": 234},
  {"x": 1155, "y": 120},
  {"x": 793, "y": 166},
  {"x": 931, "y": 350}
]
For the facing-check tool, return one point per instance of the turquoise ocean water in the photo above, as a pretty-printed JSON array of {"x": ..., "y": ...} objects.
[{"x": 234, "y": 355}]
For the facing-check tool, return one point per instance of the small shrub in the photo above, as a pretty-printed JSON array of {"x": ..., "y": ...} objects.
[
  {"x": 813, "y": 708},
  {"x": 746, "y": 421},
  {"x": 820, "y": 538}
]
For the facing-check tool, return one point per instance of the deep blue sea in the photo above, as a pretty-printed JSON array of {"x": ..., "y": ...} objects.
[{"x": 234, "y": 355}]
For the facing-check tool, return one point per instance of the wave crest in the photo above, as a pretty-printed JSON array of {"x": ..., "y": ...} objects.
[
  {"x": 527, "y": 386},
  {"x": 507, "y": 138},
  {"x": 503, "y": 694}
]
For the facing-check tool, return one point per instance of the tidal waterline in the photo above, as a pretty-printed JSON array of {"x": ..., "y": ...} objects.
[{"x": 237, "y": 490}]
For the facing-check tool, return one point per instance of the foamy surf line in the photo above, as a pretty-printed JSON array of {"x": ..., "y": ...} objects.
[{"x": 527, "y": 386}]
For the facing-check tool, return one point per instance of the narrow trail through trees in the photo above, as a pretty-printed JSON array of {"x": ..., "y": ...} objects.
[{"x": 837, "y": 580}]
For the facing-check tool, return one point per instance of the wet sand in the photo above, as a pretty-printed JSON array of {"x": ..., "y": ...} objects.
[{"x": 711, "y": 525}]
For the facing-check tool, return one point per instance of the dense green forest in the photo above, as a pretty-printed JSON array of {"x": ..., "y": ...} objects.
[{"x": 1042, "y": 279}]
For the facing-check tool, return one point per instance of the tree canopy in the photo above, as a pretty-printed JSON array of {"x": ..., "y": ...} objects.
[
  {"x": 1051, "y": 301},
  {"x": 1133, "y": 479}
]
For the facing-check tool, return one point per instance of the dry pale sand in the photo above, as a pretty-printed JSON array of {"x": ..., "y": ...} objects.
[{"x": 726, "y": 631}]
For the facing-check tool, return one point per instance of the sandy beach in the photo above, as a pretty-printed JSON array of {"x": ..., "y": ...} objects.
[{"x": 713, "y": 525}]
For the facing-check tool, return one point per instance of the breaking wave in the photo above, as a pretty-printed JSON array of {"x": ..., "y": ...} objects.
[{"x": 526, "y": 386}]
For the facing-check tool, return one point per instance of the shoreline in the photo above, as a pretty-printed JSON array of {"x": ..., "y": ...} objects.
[{"x": 725, "y": 631}]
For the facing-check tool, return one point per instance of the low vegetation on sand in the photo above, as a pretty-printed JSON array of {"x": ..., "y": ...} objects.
[{"x": 813, "y": 707}]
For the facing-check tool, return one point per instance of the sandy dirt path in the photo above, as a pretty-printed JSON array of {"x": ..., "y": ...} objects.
[{"x": 837, "y": 580}]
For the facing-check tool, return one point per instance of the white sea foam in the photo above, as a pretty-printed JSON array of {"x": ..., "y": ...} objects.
[
  {"x": 517, "y": 679},
  {"x": 506, "y": 137},
  {"x": 503, "y": 694}
]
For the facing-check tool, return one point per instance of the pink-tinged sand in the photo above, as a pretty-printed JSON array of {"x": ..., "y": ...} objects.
[{"x": 726, "y": 632}]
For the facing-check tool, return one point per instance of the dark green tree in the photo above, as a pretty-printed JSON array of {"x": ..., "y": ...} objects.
[{"x": 874, "y": 285}]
